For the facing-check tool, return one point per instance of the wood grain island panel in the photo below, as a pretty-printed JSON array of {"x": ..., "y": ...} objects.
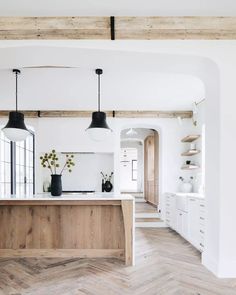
[{"x": 66, "y": 228}]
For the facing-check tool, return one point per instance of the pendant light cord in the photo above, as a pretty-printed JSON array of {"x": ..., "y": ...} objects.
[
  {"x": 99, "y": 93},
  {"x": 16, "y": 91}
]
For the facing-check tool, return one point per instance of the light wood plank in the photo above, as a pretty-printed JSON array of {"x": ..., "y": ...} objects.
[
  {"x": 126, "y": 28},
  {"x": 190, "y": 138},
  {"x": 165, "y": 265},
  {"x": 41, "y": 228},
  {"x": 128, "y": 216},
  {"x": 63, "y": 253},
  {"x": 116, "y": 114}
]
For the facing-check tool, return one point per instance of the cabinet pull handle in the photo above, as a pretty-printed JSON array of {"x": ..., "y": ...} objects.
[
  {"x": 201, "y": 245},
  {"x": 201, "y": 231},
  {"x": 202, "y": 218},
  {"x": 167, "y": 204},
  {"x": 192, "y": 199},
  {"x": 201, "y": 205}
]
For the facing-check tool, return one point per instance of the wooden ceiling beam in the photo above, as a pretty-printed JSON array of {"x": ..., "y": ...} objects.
[
  {"x": 116, "y": 114},
  {"x": 125, "y": 28}
]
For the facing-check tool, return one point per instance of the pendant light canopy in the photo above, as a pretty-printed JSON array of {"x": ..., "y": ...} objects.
[
  {"x": 98, "y": 129},
  {"x": 15, "y": 130}
]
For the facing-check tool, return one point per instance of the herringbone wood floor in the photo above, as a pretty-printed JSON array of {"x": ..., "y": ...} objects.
[{"x": 165, "y": 265}]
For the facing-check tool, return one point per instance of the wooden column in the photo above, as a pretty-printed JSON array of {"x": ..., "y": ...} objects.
[{"x": 128, "y": 216}]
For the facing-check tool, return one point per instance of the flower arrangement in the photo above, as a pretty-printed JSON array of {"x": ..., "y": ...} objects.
[
  {"x": 106, "y": 177},
  {"x": 51, "y": 161}
]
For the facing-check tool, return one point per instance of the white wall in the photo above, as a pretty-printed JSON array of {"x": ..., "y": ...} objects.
[
  {"x": 66, "y": 134},
  {"x": 122, "y": 7},
  {"x": 85, "y": 174}
]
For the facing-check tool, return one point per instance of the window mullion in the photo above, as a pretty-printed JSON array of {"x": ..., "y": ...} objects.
[{"x": 13, "y": 167}]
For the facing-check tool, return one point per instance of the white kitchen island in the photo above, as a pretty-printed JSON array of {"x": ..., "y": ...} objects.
[{"x": 72, "y": 225}]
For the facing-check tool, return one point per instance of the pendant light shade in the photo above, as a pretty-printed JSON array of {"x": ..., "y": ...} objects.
[
  {"x": 98, "y": 130},
  {"x": 15, "y": 130}
]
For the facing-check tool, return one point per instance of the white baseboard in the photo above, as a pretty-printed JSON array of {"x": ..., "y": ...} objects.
[{"x": 210, "y": 263}]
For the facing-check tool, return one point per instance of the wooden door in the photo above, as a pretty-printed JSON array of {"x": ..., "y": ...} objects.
[{"x": 151, "y": 169}]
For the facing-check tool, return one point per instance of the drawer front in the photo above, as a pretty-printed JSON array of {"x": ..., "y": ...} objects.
[
  {"x": 202, "y": 205},
  {"x": 202, "y": 212},
  {"x": 201, "y": 247},
  {"x": 202, "y": 220},
  {"x": 202, "y": 231},
  {"x": 201, "y": 243},
  {"x": 167, "y": 205}
]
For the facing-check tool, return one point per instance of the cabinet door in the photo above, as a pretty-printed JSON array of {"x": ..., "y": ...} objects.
[
  {"x": 179, "y": 227},
  {"x": 185, "y": 232},
  {"x": 193, "y": 221},
  {"x": 173, "y": 212},
  {"x": 182, "y": 223}
]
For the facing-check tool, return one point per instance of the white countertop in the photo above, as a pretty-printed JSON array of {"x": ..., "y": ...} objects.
[
  {"x": 191, "y": 195},
  {"x": 68, "y": 197}
]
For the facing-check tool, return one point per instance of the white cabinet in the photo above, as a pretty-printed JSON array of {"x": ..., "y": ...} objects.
[
  {"x": 186, "y": 215},
  {"x": 202, "y": 225},
  {"x": 171, "y": 211},
  {"x": 182, "y": 223},
  {"x": 193, "y": 221}
]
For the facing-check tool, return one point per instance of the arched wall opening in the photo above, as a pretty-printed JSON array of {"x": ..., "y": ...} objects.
[
  {"x": 189, "y": 64},
  {"x": 143, "y": 149}
]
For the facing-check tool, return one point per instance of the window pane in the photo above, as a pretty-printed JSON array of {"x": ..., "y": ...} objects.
[
  {"x": 134, "y": 165},
  {"x": 134, "y": 175},
  {"x": 22, "y": 162}
]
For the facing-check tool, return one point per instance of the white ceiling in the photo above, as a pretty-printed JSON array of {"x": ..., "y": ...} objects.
[
  {"x": 76, "y": 89},
  {"x": 117, "y": 7},
  {"x": 131, "y": 81}
]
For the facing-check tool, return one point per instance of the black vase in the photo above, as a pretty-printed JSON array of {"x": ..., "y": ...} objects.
[
  {"x": 56, "y": 185},
  {"x": 108, "y": 186}
]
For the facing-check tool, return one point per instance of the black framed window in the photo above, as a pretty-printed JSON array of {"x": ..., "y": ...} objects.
[
  {"x": 17, "y": 161},
  {"x": 5, "y": 165}
]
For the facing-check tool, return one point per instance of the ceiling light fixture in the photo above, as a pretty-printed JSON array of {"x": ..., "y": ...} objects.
[
  {"x": 15, "y": 130},
  {"x": 131, "y": 132},
  {"x": 98, "y": 129}
]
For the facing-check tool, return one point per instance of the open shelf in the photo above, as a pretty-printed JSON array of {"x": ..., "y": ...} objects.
[
  {"x": 190, "y": 138},
  {"x": 189, "y": 167},
  {"x": 190, "y": 153}
]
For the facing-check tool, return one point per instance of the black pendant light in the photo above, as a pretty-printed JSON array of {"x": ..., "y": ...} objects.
[
  {"x": 15, "y": 130},
  {"x": 98, "y": 129}
]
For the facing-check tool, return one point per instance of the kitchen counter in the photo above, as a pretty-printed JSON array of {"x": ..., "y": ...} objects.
[
  {"x": 68, "y": 197},
  {"x": 72, "y": 225},
  {"x": 191, "y": 195}
]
